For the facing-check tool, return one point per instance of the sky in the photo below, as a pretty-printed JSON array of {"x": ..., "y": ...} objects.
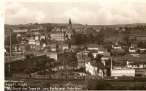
[{"x": 91, "y": 13}]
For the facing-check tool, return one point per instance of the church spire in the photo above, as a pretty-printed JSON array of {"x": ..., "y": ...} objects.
[{"x": 70, "y": 24}]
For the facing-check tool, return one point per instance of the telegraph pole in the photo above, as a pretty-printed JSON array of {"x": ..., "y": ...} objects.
[
  {"x": 10, "y": 42},
  {"x": 9, "y": 66}
]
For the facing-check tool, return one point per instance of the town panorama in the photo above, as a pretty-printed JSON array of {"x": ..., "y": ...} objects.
[{"x": 74, "y": 56}]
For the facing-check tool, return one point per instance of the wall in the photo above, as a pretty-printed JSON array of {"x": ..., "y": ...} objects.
[{"x": 123, "y": 72}]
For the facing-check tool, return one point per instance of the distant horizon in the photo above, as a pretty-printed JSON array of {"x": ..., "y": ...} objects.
[
  {"x": 72, "y": 23},
  {"x": 91, "y": 13}
]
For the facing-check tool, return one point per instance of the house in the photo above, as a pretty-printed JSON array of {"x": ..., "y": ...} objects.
[
  {"x": 22, "y": 42},
  {"x": 136, "y": 64},
  {"x": 37, "y": 37},
  {"x": 34, "y": 47},
  {"x": 31, "y": 41},
  {"x": 140, "y": 72},
  {"x": 37, "y": 42},
  {"x": 44, "y": 45},
  {"x": 82, "y": 58},
  {"x": 19, "y": 48},
  {"x": 102, "y": 72},
  {"x": 69, "y": 32},
  {"x": 132, "y": 58},
  {"x": 56, "y": 29},
  {"x": 132, "y": 50},
  {"x": 15, "y": 47},
  {"x": 94, "y": 53},
  {"x": 53, "y": 47},
  {"x": 42, "y": 37},
  {"x": 22, "y": 48},
  {"x": 123, "y": 72},
  {"x": 74, "y": 47},
  {"x": 105, "y": 56},
  {"x": 117, "y": 47},
  {"x": 101, "y": 50},
  {"x": 20, "y": 31},
  {"x": 36, "y": 33},
  {"x": 65, "y": 46},
  {"x": 18, "y": 35},
  {"x": 53, "y": 55},
  {"x": 90, "y": 68},
  {"x": 57, "y": 35},
  {"x": 142, "y": 50},
  {"x": 93, "y": 47}
]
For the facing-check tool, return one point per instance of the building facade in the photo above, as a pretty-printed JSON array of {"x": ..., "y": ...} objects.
[{"x": 57, "y": 35}]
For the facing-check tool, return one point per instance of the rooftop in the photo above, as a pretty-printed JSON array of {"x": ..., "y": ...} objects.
[
  {"x": 54, "y": 32},
  {"x": 93, "y": 45},
  {"x": 140, "y": 57}
]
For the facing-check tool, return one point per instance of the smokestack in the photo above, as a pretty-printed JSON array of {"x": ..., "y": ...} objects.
[{"x": 111, "y": 63}]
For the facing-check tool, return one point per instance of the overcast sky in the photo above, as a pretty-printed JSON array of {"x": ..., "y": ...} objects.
[{"x": 93, "y": 13}]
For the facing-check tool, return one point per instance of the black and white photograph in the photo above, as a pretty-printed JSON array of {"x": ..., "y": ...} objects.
[{"x": 74, "y": 45}]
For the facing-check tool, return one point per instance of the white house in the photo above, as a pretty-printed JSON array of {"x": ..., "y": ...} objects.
[
  {"x": 136, "y": 64},
  {"x": 52, "y": 55},
  {"x": 65, "y": 47},
  {"x": 93, "y": 47},
  {"x": 142, "y": 50},
  {"x": 20, "y": 31},
  {"x": 90, "y": 68},
  {"x": 31, "y": 41},
  {"x": 94, "y": 53},
  {"x": 101, "y": 50},
  {"x": 42, "y": 37},
  {"x": 53, "y": 47},
  {"x": 132, "y": 50},
  {"x": 123, "y": 72},
  {"x": 37, "y": 42},
  {"x": 36, "y": 37},
  {"x": 117, "y": 47}
]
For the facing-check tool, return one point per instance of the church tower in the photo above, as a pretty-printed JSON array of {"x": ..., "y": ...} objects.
[{"x": 69, "y": 23}]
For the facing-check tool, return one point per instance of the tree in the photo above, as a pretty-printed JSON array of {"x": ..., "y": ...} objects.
[
  {"x": 107, "y": 45},
  {"x": 42, "y": 41},
  {"x": 90, "y": 38},
  {"x": 78, "y": 39},
  {"x": 98, "y": 57},
  {"x": 13, "y": 39},
  {"x": 29, "y": 65},
  {"x": 68, "y": 59},
  {"x": 91, "y": 56},
  {"x": 99, "y": 38},
  {"x": 49, "y": 28},
  {"x": 138, "y": 51},
  {"x": 140, "y": 44},
  {"x": 127, "y": 41}
]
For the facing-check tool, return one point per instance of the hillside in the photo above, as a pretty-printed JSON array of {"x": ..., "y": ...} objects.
[
  {"x": 64, "y": 25},
  {"x": 117, "y": 25}
]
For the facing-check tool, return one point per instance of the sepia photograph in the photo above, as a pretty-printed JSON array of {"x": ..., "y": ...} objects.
[{"x": 74, "y": 45}]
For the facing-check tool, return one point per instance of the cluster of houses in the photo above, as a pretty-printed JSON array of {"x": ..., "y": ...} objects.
[
  {"x": 89, "y": 63},
  {"x": 132, "y": 63},
  {"x": 38, "y": 41},
  {"x": 53, "y": 43}
]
